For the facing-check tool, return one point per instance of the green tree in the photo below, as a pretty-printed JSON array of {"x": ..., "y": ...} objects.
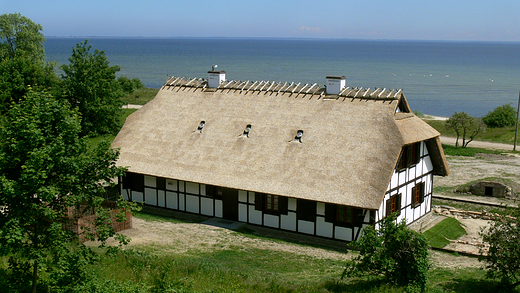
[
  {"x": 466, "y": 126},
  {"x": 22, "y": 59},
  {"x": 21, "y": 37},
  {"x": 501, "y": 116},
  {"x": 393, "y": 251},
  {"x": 503, "y": 259},
  {"x": 46, "y": 167},
  {"x": 90, "y": 84}
]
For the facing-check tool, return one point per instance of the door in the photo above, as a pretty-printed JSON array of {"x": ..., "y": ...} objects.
[{"x": 230, "y": 204}]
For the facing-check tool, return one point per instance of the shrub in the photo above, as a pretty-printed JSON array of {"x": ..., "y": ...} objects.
[
  {"x": 129, "y": 85},
  {"x": 394, "y": 251},
  {"x": 501, "y": 116}
]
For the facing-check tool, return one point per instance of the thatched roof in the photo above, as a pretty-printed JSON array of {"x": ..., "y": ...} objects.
[{"x": 347, "y": 154}]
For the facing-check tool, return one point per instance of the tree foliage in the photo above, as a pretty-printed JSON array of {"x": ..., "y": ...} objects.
[
  {"x": 501, "y": 116},
  {"x": 394, "y": 251},
  {"x": 90, "y": 84},
  {"x": 20, "y": 37},
  {"x": 503, "y": 260},
  {"x": 46, "y": 167},
  {"x": 466, "y": 126},
  {"x": 129, "y": 85}
]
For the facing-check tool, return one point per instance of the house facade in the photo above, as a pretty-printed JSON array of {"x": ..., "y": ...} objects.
[{"x": 325, "y": 161}]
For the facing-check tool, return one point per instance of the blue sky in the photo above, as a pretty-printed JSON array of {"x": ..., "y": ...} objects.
[{"x": 458, "y": 20}]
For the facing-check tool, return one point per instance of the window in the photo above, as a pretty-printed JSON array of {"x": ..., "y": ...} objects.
[
  {"x": 418, "y": 194},
  {"x": 247, "y": 130},
  {"x": 410, "y": 155},
  {"x": 298, "y": 136},
  {"x": 214, "y": 191},
  {"x": 271, "y": 203},
  {"x": 393, "y": 204},
  {"x": 201, "y": 125},
  {"x": 343, "y": 214},
  {"x": 306, "y": 210}
]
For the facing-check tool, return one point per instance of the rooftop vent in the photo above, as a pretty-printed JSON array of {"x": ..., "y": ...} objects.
[
  {"x": 215, "y": 77},
  {"x": 247, "y": 130},
  {"x": 335, "y": 84},
  {"x": 201, "y": 125},
  {"x": 298, "y": 136}
]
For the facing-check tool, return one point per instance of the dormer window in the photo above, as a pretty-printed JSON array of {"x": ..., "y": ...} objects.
[
  {"x": 247, "y": 130},
  {"x": 201, "y": 125},
  {"x": 298, "y": 136}
]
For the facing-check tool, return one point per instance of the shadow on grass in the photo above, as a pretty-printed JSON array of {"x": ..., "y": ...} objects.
[
  {"x": 372, "y": 284},
  {"x": 474, "y": 285}
]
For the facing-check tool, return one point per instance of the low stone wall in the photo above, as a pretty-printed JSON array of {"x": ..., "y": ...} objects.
[{"x": 453, "y": 212}]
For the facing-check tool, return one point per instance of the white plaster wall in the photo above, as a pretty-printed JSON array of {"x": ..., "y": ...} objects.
[
  {"x": 242, "y": 212},
  {"x": 124, "y": 193},
  {"x": 192, "y": 188},
  {"x": 242, "y": 196},
  {"x": 343, "y": 233},
  {"x": 161, "y": 198},
  {"x": 181, "y": 186},
  {"x": 192, "y": 203},
  {"x": 271, "y": 221},
  {"x": 137, "y": 196},
  {"x": 181, "y": 202},
  {"x": 171, "y": 200},
  {"x": 150, "y": 181},
  {"x": 323, "y": 228},
  {"x": 150, "y": 196},
  {"x": 218, "y": 208},
  {"x": 291, "y": 204},
  {"x": 171, "y": 184},
  {"x": 289, "y": 221},
  {"x": 206, "y": 206},
  {"x": 255, "y": 217},
  {"x": 203, "y": 189},
  {"x": 305, "y": 227}
]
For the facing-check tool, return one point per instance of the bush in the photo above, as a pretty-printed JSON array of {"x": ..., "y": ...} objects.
[
  {"x": 394, "y": 251},
  {"x": 502, "y": 116},
  {"x": 129, "y": 85}
]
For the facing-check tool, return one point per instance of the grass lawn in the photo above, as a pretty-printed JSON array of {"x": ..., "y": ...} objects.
[
  {"x": 449, "y": 228},
  {"x": 140, "y": 96},
  {"x": 502, "y": 135}
]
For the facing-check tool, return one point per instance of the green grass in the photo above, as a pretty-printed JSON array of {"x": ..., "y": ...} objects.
[
  {"x": 140, "y": 96},
  {"x": 469, "y": 151},
  {"x": 501, "y": 135},
  {"x": 449, "y": 228}
]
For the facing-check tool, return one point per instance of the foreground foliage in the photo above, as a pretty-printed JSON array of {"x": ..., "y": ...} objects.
[
  {"x": 394, "y": 251},
  {"x": 46, "y": 167},
  {"x": 503, "y": 260}
]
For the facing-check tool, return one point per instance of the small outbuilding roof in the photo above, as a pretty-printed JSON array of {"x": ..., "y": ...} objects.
[{"x": 301, "y": 142}]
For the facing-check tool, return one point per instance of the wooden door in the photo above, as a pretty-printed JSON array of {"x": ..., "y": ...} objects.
[{"x": 230, "y": 204}]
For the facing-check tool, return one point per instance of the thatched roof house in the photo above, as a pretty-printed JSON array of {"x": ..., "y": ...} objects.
[{"x": 285, "y": 139}]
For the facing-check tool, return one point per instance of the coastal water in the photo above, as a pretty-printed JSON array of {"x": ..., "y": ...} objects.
[{"x": 438, "y": 78}]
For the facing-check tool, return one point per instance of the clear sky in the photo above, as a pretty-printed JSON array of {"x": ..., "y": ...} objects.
[{"x": 459, "y": 20}]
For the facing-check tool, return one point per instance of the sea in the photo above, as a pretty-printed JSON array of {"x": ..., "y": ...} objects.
[{"x": 437, "y": 77}]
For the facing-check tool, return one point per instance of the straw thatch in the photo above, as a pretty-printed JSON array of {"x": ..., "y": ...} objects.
[{"x": 347, "y": 154}]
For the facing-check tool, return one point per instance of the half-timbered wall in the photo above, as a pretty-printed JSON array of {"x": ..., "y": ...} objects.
[
  {"x": 404, "y": 184},
  {"x": 196, "y": 198}
]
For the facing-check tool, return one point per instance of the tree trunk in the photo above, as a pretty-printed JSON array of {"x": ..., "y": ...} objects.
[{"x": 35, "y": 276}]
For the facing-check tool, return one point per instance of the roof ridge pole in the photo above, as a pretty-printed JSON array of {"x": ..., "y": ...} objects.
[
  {"x": 375, "y": 91},
  {"x": 295, "y": 88},
  {"x": 190, "y": 82},
  {"x": 282, "y": 87},
  {"x": 272, "y": 83},
  {"x": 228, "y": 83},
  {"x": 302, "y": 88},
  {"x": 379, "y": 96},
  {"x": 343, "y": 90},
  {"x": 244, "y": 86},
  {"x": 368, "y": 89},
  {"x": 398, "y": 92},
  {"x": 307, "y": 91},
  {"x": 174, "y": 82},
  {"x": 251, "y": 86},
  {"x": 358, "y": 92}
]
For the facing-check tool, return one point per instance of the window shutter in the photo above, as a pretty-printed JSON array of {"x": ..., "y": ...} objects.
[
  {"x": 283, "y": 205},
  {"x": 388, "y": 207},
  {"x": 358, "y": 217},
  {"x": 139, "y": 182},
  {"x": 330, "y": 210},
  {"x": 259, "y": 201},
  {"x": 414, "y": 195},
  {"x": 398, "y": 204},
  {"x": 161, "y": 183}
]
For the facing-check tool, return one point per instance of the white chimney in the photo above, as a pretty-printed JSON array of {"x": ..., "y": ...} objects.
[
  {"x": 216, "y": 77},
  {"x": 335, "y": 84}
]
